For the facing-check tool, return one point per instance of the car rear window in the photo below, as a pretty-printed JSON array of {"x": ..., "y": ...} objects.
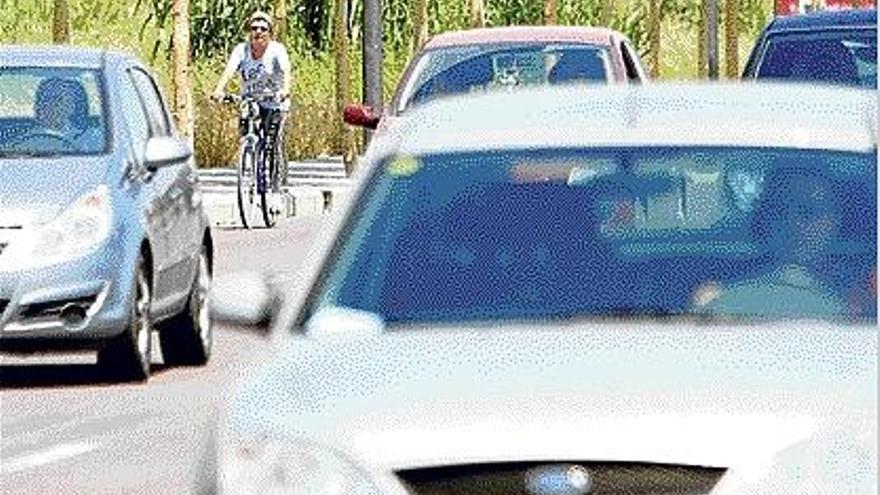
[
  {"x": 847, "y": 57},
  {"x": 464, "y": 69}
]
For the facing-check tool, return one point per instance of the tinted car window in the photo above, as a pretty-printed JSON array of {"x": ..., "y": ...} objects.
[
  {"x": 729, "y": 233},
  {"x": 463, "y": 69},
  {"x": 51, "y": 111},
  {"x": 158, "y": 119},
  {"x": 836, "y": 57},
  {"x": 135, "y": 117}
]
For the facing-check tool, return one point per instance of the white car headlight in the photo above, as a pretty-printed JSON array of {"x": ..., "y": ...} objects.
[
  {"x": 77, "y": 231},
  {"x": 276, "y": 467}
]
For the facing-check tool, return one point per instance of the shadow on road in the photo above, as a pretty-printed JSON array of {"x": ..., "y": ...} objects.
[{"x": 57, "y": 375}]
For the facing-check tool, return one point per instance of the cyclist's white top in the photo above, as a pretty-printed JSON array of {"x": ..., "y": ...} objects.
[{"x": 261, "y": 75}]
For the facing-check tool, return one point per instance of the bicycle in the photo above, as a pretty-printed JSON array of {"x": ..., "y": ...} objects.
[{"x": 258, "y": 149}]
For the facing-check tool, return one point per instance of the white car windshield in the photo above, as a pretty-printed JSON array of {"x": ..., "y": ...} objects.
[{"x": 736, "y": 234}]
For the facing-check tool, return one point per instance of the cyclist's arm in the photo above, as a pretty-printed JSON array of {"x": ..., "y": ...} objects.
[
  {"x": 284, "y": 61},
  {"x": 232, "y": 66}
]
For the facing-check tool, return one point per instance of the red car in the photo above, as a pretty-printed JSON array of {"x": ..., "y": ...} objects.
[{"x": 505, "y": 57}]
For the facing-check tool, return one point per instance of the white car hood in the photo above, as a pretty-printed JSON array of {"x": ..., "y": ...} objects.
[{"x": 732, "y": 398}]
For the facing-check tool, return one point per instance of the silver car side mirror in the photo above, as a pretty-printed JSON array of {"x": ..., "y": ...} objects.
[
  {"x": 245, "y": 299},
  {"x": 162, "y": 151}
]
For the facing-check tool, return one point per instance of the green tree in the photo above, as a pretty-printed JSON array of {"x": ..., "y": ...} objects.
[
  {"x": 731, "y": 38},
  {"x": 279, "y": 12},
  {"x": 477, "y": 13},
  {"x": 346, "y": 144},
  {"x": 607, "y": 12},
  {"x": 181, "y": 80},
  {"x": 551, "y": 9},
  {"x": 655, "y": 19},
  {"x": 61, "y": 22},
  {"x": 420, "y": 24}
]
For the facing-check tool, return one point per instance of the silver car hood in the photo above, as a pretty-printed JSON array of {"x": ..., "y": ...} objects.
[
  {"x": 687, "y": 394},
  {"x": 35, "y": 190}
]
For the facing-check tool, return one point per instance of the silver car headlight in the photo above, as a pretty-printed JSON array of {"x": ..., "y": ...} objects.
[
  {"x": 77, "y": 231},
  {"x": 276, "y": 467}
]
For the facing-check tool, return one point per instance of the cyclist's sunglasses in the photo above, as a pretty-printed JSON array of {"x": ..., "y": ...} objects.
[{"x": 259, "y": 28}]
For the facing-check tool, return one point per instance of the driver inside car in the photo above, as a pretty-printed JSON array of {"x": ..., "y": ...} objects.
[
  {"x": 796, "y": 224},
  {"x": 61, "y": 110}
]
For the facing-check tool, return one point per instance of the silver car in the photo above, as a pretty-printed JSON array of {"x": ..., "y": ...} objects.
[
  {"x": 668, "y": 289},
  {"x": 103, "y": 238}
]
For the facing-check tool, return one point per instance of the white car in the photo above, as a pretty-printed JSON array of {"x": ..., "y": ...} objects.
[{"x": 668, "y": 289}]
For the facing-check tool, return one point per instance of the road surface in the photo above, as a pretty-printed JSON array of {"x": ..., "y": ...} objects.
[{"x": 65, "y": 430}]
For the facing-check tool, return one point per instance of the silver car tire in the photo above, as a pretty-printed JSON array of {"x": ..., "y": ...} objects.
[{"x": 128, "y": 356}]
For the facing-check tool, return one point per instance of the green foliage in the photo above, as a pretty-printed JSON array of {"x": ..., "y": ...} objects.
[
  {"x": 514, "y": 12},
  {"x": 38, "y": 25},
  {"x": 216, "y": 24},
  {"x": 633, "y": 22},
  {"x": 578, "y": 13}
]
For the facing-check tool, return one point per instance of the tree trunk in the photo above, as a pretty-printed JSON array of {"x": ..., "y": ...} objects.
[
  {"x": 279, "y": 12},
  {"x": 607, "y": 12},
  {"x": 551, "y": 9},
  {"x": 420, "y": 25},
  {"x": 702, "y": 52},
  {"x": 181, "y": 80},
  {"x": 345, "y": 143},
  {"x": 478, "y": 13},
  {"x": 731, "y": 38},
  {"x": 61, "y": 22},
  {"x": 654, "y": 20}
]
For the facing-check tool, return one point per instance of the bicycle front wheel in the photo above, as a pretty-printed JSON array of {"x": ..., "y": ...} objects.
[
  {"x": 247, "y": 187},
  {"x": 270, "y": 197}
]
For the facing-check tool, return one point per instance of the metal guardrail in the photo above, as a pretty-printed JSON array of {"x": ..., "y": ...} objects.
[{"x": 325, "y": 174}]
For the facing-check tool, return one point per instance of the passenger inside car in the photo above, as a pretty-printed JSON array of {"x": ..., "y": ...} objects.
[
  {"x": 573, "y": 67},
  {"x": 797, "y": 224},
  {"x": 61, "y": 109}
]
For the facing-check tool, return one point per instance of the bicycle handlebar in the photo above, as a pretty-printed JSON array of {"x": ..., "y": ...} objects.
[{"x": 260, "y": 97}]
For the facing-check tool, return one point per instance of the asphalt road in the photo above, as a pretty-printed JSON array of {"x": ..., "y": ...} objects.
[{"x": 63, "y": 429}]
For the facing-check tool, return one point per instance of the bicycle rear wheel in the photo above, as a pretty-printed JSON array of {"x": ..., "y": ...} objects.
[{"x": 247, "y": 187}]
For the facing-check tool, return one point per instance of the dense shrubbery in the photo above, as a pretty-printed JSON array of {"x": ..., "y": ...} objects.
[{"x": 143, "y": 27}]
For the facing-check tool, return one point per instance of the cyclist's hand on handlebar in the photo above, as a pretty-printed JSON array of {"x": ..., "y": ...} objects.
[{"x": 282, "y": 96}]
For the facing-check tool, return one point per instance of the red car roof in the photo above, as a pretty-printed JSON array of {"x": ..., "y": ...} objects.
[{"x": 523, "y": 34}]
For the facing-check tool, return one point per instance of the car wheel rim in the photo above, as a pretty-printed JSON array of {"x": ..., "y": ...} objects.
[
  {"x": 202, "y": 290},
  {"x": 142, "y": 318}
]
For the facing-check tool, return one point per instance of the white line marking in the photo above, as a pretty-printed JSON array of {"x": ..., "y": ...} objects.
[{"x": 48, "y": 456}]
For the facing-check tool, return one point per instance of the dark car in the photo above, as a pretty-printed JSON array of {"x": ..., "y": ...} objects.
[
  {"x": 461, "y": 62},
  {"x": 829, "y": 47},
  {"x": 103, "y": 238}
]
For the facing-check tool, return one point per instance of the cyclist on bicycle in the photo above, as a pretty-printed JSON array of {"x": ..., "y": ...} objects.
[{"x": 264, "y": 68}]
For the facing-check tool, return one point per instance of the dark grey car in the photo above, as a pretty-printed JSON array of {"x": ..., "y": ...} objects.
[{"x": 103, "y": 237}]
